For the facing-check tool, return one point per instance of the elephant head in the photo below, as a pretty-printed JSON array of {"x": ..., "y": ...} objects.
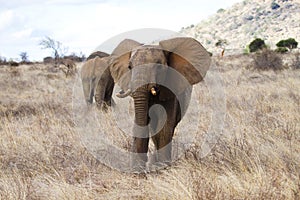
[
  {"x": 158, "y": 74},
  {"x": 97, "y": 82},
  {"x": 135, "y": 64}
]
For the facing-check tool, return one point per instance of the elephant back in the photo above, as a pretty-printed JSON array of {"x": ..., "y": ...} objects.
[{"x": 100, "y": 54}]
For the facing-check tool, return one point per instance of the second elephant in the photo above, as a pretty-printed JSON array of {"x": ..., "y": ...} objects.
[{"x": 97, "y": 82}]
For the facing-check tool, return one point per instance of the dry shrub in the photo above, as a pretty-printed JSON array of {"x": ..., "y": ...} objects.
[
  {"x": 15, "y": 72},
  {"x": 296, "y": 61},
  {"x": 267, "y": 60},
  {"x": 13, "y": 63}
]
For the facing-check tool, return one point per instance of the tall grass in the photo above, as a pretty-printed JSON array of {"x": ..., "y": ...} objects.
[{"x": 256, "y": 157}]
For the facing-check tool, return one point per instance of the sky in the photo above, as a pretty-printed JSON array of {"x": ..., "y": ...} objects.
[{"x": 82, "y": 26}]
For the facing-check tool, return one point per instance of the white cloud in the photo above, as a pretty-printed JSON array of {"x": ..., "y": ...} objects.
[
  {"x": 22, "y": 34},
  {"x": 6, "y": 18},
  {"x": 84, "y": 25}
]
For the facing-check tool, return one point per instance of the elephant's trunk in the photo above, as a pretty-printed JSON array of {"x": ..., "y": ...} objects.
[
  {"x": 140, "y": 131},
  {"x": 123, "y": 94},
  {"x": 140, "y": 97}
]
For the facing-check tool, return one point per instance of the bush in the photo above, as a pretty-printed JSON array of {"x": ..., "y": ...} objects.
[
  {"x": 221, "y": 10},
  {"x": 256, "y": 45},
  {"x": 281, "y": 50},
  {"x": 266, "y": 60},
  {"x": 296, "y": 61},
  {"x": 3, "y": 60},
  {"x": 290, "y": 43},
  {"x": 74, "y": 58},
  {"x": 13, "y": 63},
  {"x": 274, "y": 6},
  {"x": 49, "y": 60}
]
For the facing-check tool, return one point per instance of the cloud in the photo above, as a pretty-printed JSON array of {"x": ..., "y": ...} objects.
[
  {"x": 6, "y": 18},
  {"x": 84, "y": 25},
  {"x": 18, "y": 3},
  {"x": 22, "y": 34}
]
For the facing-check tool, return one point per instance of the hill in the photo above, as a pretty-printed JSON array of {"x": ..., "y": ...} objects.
[{"x": 240, "y": 24}]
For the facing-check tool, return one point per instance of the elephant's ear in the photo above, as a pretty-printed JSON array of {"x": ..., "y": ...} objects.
[
  {"x": 100, "y": 65},
  {"x": 120, "y": 61},
  {"x": 188, "y": 57},
  {"x": 125, "y": 47}
]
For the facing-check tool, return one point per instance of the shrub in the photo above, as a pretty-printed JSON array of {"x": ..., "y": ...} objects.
[
  {"x": 290, "y": 43},
  {"x": 221, "y": 10},
  {"x": 296, "y": 61},
  {"x": 3, "y": 60},
  {"x": 256, "y": 45},
  {"x": 13, "y": 63},
  {"x": 49, "y": 60},
  {"x": 281, "y": 50},
  {"x": 274, "y": 6},
  {"x": 266, "y": 60}
]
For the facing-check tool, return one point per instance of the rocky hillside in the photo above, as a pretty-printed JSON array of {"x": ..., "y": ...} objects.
[{"x": 271, "y": 20}]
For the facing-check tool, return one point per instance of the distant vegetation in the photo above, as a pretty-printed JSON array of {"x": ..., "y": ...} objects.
[
  {"x": 221, "y": 44},
  {"x": 56, "y": 47},
  {"x": 257, "y": 44},
  {"x": 24, "y": 56},
  {"x": 58, "y": 52},
  {"x": 221, "y": 10},
  {"x": 263, "y": 59},
  {"x": 266, "y": 60},
  {"x": 290, "y": 43}
]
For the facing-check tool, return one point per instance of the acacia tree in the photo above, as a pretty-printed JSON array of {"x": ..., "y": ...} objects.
[
  {"x": 56, "y": 47},
  {"x": 24, "y": 56},
  {"x": 221, "y": 44}
]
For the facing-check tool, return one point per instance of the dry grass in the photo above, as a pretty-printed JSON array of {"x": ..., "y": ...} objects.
[{"x": 256, "y": 157}]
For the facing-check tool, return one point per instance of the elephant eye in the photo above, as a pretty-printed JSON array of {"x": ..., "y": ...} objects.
[{"x": 129, "y": 65}]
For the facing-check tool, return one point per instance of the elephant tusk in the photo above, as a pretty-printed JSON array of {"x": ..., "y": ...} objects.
[
  {"x": 123, "y": 94},
  {"x": 153, "y": 91}
]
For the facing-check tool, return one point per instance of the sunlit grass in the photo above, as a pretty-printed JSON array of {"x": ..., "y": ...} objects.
[{"x": 257, "y": 156}]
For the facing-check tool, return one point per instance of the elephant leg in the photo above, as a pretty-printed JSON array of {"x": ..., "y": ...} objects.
[
  {"x": 86, "y": 91},
  {"x": 163, "y": 139},
  {"x": 92, "y": 90},
  {"x": 108, "y": 92},
  {"x": 139, "y": 154},
  {"x": 163, "y": 144},
  {"x": 100, "y": 93}
]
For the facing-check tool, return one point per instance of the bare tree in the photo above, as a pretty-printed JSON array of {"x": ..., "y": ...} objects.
[
  {"x": 24, "y": 56},
  {"x": 55, "y": 46}
]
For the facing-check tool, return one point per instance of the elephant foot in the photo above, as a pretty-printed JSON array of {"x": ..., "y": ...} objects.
[
  {"x": 158, "y": 163},
  {"x": 138, "y": 163},
  {"x": 161, "y": 158},
  {"x": 158, "y": 166},
  {"x": 103, "y": 106}
]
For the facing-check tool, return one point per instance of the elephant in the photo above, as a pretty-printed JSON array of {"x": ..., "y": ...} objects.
[
  {"x": 97, "y": 81},
  {"x": 157, "y": 77},
  {"x": 100, "y": 54}
]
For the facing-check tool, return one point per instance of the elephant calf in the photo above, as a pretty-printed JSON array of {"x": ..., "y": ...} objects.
[{"x": 97, "y": 81}]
